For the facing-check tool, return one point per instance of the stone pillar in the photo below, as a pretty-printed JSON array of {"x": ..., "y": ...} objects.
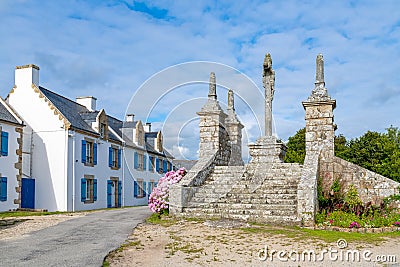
[
  {"x": 320, "y": 129},
  {"x": 320, "y": 136},
  {"x": 234, "y": 128},
  {"x": 213, "y": 135}
]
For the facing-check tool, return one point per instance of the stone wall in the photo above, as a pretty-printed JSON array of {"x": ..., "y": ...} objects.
[{"x": 370, "y": 185}]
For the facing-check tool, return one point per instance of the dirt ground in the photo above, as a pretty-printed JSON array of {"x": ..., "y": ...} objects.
[{"x": 227, "y": 243}]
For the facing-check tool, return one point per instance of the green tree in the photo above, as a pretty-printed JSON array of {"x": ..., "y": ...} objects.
[
  {"x": 378, "y": 152},
  {"x": 296, "y": 147}
]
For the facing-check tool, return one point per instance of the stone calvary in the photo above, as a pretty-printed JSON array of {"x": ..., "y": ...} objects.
[{"x": 267, "y": 190}]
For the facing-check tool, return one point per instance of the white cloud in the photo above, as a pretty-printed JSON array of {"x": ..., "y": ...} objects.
[{"x": 108, "y": 50}]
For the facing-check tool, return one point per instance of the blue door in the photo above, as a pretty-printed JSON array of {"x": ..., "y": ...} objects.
[{"x": 28, "y": 193}]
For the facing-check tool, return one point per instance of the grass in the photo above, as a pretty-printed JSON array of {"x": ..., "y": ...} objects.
[
  {"x": 161, "y": 219},
  {"x": 298, "y": 233},
  {"x": 8, "y": 214}
]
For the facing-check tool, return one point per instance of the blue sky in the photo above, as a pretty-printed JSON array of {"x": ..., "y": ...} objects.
[{"x": 108, "y": 49}]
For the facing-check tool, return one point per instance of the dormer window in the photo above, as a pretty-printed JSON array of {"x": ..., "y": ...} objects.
[
  {"x": 102, "y": 130},
  {"x": 139, "y": 133}
]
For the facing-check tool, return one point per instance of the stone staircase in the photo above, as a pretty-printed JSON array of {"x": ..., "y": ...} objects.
[
  {"x": 272, "y": 199},
  {"x": 217, "y": 185}
]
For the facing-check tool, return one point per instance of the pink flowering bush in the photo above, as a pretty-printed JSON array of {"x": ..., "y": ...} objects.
[
  {"x": 159, "y": 197},
  {"x": 354, "y": 225}
]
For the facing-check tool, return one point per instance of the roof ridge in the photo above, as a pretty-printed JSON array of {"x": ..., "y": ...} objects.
[{"x": 66, "y": 98}]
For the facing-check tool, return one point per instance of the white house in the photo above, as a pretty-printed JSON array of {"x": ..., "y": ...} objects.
[
  {"x": 76, "y": 151},
  {"x": 144, "y": 163},
  {"x": 10, "y": 158}
]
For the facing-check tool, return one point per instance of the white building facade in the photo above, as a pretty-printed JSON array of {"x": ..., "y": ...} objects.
[
  {"x": 74, "y": 152},
  {"x": 11, "y": 128}
]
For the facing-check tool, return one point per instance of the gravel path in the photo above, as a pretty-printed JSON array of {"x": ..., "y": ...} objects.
[
  {"x": 77, "y": 241},
  {"x": 192, "y": 243}
]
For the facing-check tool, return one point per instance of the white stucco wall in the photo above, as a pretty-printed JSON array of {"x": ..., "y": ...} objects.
[
  {"x": 101, "y": 171},
  {"x": 132, "y": 175},
  {"x": 7, "y": 168}
]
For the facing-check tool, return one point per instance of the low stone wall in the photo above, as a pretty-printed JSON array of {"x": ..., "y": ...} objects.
[
  {"x": 180, "y": 194},
  {"x": 370, "y": 185},
  {"x": 307, "y": 202}
]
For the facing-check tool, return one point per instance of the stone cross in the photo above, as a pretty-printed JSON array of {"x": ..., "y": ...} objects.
[
  {"x": 212, "y": 93},
  {"x": 231, "y": 104},
  {"x": 269, "y": 86}
]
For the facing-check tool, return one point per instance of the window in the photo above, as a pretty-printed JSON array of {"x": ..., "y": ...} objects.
[
  {"x": 3, "y": 188},
  {"x": 139, "y": 189},
  {"x": 102, "y": 130},
  {"x": 151, "y": 186},
  {"x": 3, "y": 143},
  {"x": 139, "y": 161},
  {"x": 151, "y": 165},
  {"x": 89, "y": 152},
  {"x": 160, "y": 166},
  {"x": 114, "y": 157},
  {"x": 88, "y": 189}
]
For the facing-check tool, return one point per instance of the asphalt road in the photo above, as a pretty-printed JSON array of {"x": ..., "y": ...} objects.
[{"x": 83, "y": 241}]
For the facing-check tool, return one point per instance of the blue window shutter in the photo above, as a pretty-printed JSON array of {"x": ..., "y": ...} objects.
[
  {"x": 83, "y": 151},
  {"x": 94, "y": 153},
  {"x": 4, "y": 143},
  {"x": 119, "y": 158},
  {"x": 135, "y": 189},
  {"x": 157, "y": 165},
  {"x": 151, "y": 167},
  {"x": 110, "y": 156},
  {"x": 95, "y": 189},
  {"x": 109, "y": 193},
  {"x": 135, "y": 160},
  {"x": 149, "y": 190},
  {"x": 144, "y": 189},
  {"x": 3, "y": 193},
  {"x": 165, "y": 166},
  {"x": 83, "y": 189},
  {"x": 155, "y": 184},
  {"x": 144, "y": 162},
  {"x": 119, "y": 194}
]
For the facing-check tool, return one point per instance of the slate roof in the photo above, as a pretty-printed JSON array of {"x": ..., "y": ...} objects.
[
  {"x": 70, "y": 109},
  {"x": 5, "y": 115},
  {"x": 81, "y": 118}
]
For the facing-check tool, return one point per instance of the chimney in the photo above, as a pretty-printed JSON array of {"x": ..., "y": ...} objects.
[
  {"x": 130, "y": 118},
  {"x": 147, "y": 127},
  {"x": 88, "y": 101},
  {"x": 27, "y": 75}
]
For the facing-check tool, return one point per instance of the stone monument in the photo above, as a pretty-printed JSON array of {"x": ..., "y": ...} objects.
[{"x": 267, "y": 148}]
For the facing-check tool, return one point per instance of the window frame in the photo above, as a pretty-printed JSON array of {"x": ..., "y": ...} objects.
[
  {"x": 89, "y": 153},
  {"x": 90, "y": 193},
  {"x": 116, "y": 157}
]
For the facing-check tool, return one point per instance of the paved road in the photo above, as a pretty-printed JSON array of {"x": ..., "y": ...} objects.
[{"x": 83, "y": 241}]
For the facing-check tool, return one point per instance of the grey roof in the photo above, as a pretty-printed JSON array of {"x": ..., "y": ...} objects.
[
  {"x": 70, "y": 109},
  {"x": 129, "y": 124},
  {"x": 81, "y": 118},
  {"x": 6, "y": 116}
]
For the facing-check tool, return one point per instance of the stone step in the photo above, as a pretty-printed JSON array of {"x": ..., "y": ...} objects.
[
  {"x": 250, "y": 206},
  {"x": 263, "y": 191},
  {"x": 261, "y": 201},
  {"x": 240, "y": 213}
]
